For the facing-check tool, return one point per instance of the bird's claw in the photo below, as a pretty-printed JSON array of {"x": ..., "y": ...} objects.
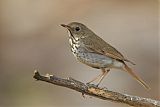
[{"x": 92, "y": 85}]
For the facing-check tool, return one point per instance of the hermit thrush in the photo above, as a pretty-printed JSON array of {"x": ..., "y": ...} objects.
[{"x": 93, "y": 51}]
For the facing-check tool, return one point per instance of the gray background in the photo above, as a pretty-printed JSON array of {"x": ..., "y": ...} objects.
[{"x": 31, "y": 38}]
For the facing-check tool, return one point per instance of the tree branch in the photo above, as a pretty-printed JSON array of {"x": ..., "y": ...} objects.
[{"x": 98, "y": 92}]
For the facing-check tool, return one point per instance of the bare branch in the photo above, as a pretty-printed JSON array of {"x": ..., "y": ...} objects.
[{"x": 98, "y": 92}]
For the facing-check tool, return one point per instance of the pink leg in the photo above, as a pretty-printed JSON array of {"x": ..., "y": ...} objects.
[{"x": 105, "y": 72}]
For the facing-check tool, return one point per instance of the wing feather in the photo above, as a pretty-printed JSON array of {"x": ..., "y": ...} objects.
[{"x": 99, "y": 46}]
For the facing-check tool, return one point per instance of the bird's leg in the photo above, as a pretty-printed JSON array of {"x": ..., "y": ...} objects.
[
  {"x": 105, "y": 72},
  {"x": 97, "y": 77}
]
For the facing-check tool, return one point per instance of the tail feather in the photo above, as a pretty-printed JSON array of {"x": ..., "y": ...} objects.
[
  {"x": 129, "y": 61},
  {"x": 130, "y": 71}
]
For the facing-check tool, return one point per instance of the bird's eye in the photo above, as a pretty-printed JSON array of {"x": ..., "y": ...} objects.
[{"x": 77, "y": 29}]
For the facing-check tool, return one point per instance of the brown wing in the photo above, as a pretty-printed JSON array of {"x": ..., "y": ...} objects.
[{"x": 99, "y": 46}]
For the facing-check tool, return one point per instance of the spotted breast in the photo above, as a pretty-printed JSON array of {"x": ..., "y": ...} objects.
[{"x": 92, "y": 59}]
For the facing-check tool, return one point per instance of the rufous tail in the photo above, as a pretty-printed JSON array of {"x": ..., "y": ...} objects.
[{"x": 130, "y": 71}]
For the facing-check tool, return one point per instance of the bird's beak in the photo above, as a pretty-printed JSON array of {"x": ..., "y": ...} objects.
[{"x": 66, "y": 26}]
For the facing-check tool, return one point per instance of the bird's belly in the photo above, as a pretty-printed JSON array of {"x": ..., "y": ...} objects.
[{"x": 95, "y": 60}]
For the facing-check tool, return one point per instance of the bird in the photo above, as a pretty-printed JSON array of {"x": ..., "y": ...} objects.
[{"x": 93, "y": 51}]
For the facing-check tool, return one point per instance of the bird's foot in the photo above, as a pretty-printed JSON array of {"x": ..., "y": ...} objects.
[
  {"x": 105, "y": 88},
  {"x": 92, "y": 85},
  {"x": 97, "y": 85}
]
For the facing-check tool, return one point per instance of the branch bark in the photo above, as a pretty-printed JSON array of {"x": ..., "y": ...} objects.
[{"x": 101, "y": 93}]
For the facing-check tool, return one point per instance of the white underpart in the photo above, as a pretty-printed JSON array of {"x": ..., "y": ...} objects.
[
  {"x": 93, "y": 59},
  {"x": 117, "y": 64},
  {"x": 70, "y": 41},
  {"x": 74, "y": 44}
]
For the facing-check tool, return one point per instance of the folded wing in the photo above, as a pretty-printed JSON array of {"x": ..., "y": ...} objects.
[{"x": 99, "y": 46}]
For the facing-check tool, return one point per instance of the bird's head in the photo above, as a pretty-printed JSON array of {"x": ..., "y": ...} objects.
[{"x": 77, "y": 30}]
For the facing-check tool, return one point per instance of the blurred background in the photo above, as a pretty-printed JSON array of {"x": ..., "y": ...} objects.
[{"x": 31, "y": 38}]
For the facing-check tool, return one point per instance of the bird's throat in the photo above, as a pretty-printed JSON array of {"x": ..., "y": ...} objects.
[{"x": 71, "y": 35}]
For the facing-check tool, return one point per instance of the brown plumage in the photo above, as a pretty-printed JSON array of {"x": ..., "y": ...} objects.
[
  {"x": 101, "y": 47},
  {"x": 93, "y": 51}
]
